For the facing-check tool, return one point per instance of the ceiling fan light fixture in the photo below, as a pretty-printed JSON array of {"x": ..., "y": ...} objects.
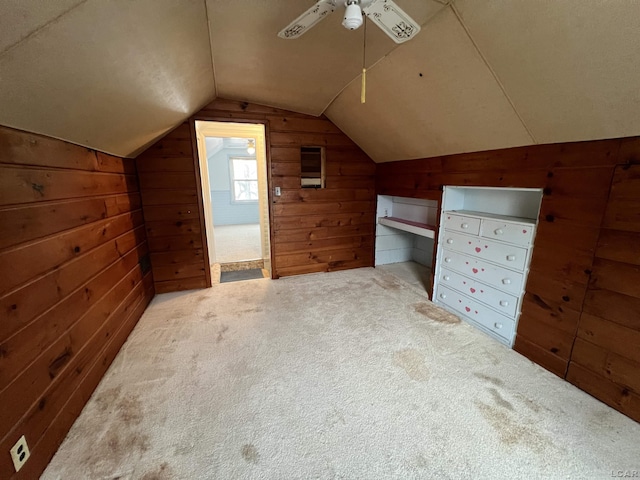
[
  {"x": 352, "y": 16},
  {"x": 388, "y": 16}
]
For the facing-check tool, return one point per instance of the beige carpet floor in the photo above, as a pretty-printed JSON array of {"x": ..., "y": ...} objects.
[
  {"x": 350, "y": 375},
  {"x": 413, "y": 273},
  {"x": 236, "y": 243}
]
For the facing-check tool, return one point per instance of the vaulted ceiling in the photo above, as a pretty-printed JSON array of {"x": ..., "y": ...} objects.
[{"x": 115, "y": 75}]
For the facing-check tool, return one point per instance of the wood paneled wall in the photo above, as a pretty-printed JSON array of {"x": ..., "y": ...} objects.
[
  {"x": 576, "y": 179},
  {"x": 606, "y": 356},
  {"x": 73, "y": 284},
  {"x": 311, "y": 230},
  {"x": 170, "y": 188}
]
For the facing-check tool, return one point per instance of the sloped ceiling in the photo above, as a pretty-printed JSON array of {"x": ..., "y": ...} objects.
[
  {"x": 303, "y": 75},
  {"x": 435, "y": 95},
  {"x": 115, "y": 75},
  {"x": 109, "y": 74}
]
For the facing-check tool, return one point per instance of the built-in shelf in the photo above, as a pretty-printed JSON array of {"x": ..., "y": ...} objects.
[
  {"x": 417, "y": 228},
  {"x": 405, "y": 230}
]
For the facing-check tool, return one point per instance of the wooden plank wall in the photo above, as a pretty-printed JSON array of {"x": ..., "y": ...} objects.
[
  {"x": 169, "y": 184},
  {"x": 73, "y": 284},
  {"x": 311, "y": 230},
  {"x": 576, "y": 179},
  {"x": 606, "y": 355}
]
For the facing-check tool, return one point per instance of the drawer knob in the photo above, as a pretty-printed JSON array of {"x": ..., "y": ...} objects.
[
  {"x": 498, "y": 231},
  {"x": 447, "y": 278},
  {"x": 504, "y": 303},
  {"x": 506, "y": 281},
  {"x": 497, "y": 325},
  {"x": 511, "y": 258},
  {"x": 465, "y": 225},
  {"x": 447, "y": 259},
  {"x": 449, "y": 241},
  {"x": 443, "y": 296}
]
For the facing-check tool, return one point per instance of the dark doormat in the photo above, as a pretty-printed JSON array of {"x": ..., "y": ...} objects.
[{"x": 226, "y": 277}]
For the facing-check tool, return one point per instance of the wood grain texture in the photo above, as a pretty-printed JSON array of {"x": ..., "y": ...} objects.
[
  {"x": 172, "y": 285},
  {"x": 20, "y": 185},
  {"x": 613, "y": 306},
  {"x": 611, "y": 336},
  {"x": 540, "y": 355},
  {"x": 31, "y": 378},
  {"x": 555, "y": 341},
  {"x": 27, "y": 302},
  {"x": 305, "y": 223},
  {"x": 611, "y": 393},
  {"x": 169, "y": 185},
  {"x": 72, "y": 286},
  {"x": 22, "y": 148},
  {"x": 619, "y": 246},
  {"x": 616, "y": 368},
  {"x": 623, "y": 214},
  {"x": 617, "y": 277},
  {"x": 27, "y": 343},
  {"x": 27, "y": 260},
  {"x": 23, "y": 223},
  {"x": 623, "y": 207},
  {"x": 606, "y": 355},
  {"x": 558, "y": 292}
]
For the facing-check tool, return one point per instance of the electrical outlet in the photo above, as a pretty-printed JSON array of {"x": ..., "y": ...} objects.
[
  {"x": 20, "y": 453},
  {"x": 277, "y": 192}
]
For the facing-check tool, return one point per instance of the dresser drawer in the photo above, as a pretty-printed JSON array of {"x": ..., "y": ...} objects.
[
  {"x": 501, "y": 301},
  {"x": 477, "y": 313},
  {"x": 498, "y": 277},
  {"x": 460, "y": 223},
  {"x": 519, "y": 233},
  {"x": 508, "y": 255}
]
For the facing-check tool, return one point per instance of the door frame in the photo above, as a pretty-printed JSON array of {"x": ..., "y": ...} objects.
[{"x": 243, "y": 128}]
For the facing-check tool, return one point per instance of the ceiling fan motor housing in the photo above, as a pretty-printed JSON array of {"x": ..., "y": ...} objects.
[{"x": 352, "y": 15}]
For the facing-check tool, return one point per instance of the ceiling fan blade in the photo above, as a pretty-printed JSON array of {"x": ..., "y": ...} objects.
[
  {"x": 392, "y": 20},
  {"x": 308, "y": 19}
]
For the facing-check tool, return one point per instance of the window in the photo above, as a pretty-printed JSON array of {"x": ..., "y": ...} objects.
[{"x": 244, "y": 179}]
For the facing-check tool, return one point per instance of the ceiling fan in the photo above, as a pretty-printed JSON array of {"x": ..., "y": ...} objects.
[{"x": 393, "y": 21}]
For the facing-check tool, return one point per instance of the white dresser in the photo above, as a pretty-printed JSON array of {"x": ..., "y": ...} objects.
[{"x": 482, "y": 263}]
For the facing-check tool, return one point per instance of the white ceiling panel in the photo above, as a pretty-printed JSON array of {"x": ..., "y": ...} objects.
[
  {"x": 434, "y": 95},
  {"x": 304, "y": 74},
  {"x": 571, "y": 67},
  {"x": 21, "y": 18},
  {"x": 116, "y": 74},
  {"x": 110, "y": 74}
]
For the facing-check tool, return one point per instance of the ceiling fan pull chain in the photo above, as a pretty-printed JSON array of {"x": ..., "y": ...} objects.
[
  {"x": 364, "y": 85},
  {"x": 363, "y": 90}
]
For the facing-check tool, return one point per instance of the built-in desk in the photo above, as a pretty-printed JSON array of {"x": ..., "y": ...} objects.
[
  {"x": 417, "y": 228},
  {"x": 405, "y": 230}
]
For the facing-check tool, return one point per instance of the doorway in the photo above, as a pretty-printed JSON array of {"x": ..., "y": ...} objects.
[{"x": 233, "y": 170}]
